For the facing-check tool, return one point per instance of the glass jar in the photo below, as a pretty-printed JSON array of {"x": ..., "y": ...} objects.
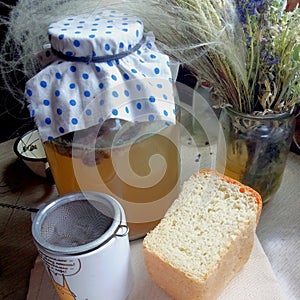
[
  {"x": 257, "y": 147},
  {"x": 136, "y": 163},
  {"x": 105, "y": 110}
]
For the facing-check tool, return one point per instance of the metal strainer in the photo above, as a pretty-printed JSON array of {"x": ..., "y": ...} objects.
[{"x": 77, "y": 223}]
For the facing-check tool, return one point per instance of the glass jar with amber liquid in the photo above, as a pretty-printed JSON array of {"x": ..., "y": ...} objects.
[{"x": 137, "y": 163}]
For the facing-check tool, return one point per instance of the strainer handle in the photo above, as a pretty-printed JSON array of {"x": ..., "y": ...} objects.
[{"x": 124, "y": 230}]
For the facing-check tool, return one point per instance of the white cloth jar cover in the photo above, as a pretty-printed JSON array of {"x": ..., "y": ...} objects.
[{"x": 100, "y": 66}]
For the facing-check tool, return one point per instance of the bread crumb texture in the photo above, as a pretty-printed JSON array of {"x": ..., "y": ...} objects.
[{"x": 211, "y": 212}]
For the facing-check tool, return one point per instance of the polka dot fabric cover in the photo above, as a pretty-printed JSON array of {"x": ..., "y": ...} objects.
[{"x": 69, "y": 95}]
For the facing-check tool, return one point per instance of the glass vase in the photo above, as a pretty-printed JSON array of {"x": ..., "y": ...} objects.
[{"x": 257, "y": 147}]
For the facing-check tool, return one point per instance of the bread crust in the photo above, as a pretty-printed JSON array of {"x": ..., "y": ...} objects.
[
  {"x": 183, "y": 286},
  {"x": 243, "y": 188}
]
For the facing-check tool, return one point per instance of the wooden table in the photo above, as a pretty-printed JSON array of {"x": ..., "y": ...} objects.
[
  {"x": 278, "y": 231},
  {"x": 17, "y": 252}
]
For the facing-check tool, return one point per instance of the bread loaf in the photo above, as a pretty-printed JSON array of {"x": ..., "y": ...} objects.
[{"x": 205, "y": 237}]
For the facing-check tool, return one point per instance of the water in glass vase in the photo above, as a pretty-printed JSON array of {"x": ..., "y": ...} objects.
[{"x": 257, "y": 148}]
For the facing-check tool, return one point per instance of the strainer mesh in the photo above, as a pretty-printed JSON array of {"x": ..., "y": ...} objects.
[{"x": 76, "y": 223}]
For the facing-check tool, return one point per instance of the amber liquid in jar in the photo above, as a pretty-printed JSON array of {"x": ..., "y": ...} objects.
[{"x": 142, "y": 175}]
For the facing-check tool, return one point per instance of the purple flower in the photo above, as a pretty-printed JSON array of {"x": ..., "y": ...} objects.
[
  {"x": 251, "y": 8},
  {"x": 249, "y": 39},
  {"x": 275, "y": 61}
]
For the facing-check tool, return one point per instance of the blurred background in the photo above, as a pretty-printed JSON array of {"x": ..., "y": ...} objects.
[{"x": 14, "y": 116}]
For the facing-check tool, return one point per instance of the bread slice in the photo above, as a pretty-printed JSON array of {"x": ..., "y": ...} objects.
[{"x": 205, "y": 237}]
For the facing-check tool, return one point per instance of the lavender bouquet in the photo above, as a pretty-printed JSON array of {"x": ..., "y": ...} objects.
[{"x": 247, "y": 49}]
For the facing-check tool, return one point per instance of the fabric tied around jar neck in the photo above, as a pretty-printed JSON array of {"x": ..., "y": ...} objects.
[{"x": 99, "y": 67}]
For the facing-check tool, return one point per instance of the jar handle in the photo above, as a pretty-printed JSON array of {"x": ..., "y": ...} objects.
[{"x": 124, "y": 230}]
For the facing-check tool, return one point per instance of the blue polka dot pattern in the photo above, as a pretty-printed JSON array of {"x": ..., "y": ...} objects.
[
  {"x": 152, "y": 99},
  {"x": 72, "y": 102},
  {"x": 87, "y": 94},
  {"x": 74, "y": 121},
  {"x": 85, "y": 42},
  {"x": 46, "y": 102},
  {"x": 151, "y": 118},
  {"x": 156, "y": 70},
  {"x": 48, "y": 121},
  {"x": 115, "y": 94},
  {"x": 76, "y": 43},
  {"x": 43, "y": 84},
  {"x": 71, "y": 95}
]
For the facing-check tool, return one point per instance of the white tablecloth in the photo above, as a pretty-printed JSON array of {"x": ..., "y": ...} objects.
[{"x": 255, "y": 281}]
